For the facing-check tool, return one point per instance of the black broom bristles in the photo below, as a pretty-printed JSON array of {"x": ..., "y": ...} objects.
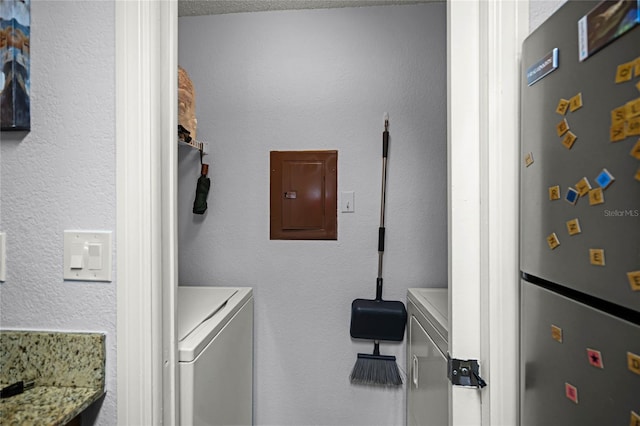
[{"x": 376, "y": 369}]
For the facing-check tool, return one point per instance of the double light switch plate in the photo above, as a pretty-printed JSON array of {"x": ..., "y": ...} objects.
[{"x": 87, "y": 255}]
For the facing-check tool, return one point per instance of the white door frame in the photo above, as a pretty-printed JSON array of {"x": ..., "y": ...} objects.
[
  {"x": 506, "y": 26},
  {"x": 484, "y": 38},
  {"x": 146, "y": 173}
]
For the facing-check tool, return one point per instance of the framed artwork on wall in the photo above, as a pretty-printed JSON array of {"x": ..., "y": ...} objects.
[{"x": 15, "y": 33}]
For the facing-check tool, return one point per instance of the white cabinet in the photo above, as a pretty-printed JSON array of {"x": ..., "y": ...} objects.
[{"x": 427, "y": 383}]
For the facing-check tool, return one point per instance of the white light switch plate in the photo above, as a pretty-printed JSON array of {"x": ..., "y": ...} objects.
[
  {"x": 87, "y": 255},
  {"x": 347, "y": 202},
  {"x": 3, "y": 256}
]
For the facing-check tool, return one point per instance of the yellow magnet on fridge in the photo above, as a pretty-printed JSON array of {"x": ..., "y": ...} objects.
[
  {"x": 556, "y": 333},
  {"x": 573, "y": 227},
  {"x": 637, "y": 176},
  {"x": 638, "y": 86},
  {"x": 634, "y": 280},
  {"x": 553, "y": 241},
  {"x": 596, "y": 196},
  {"x": 635, "y": 419},
  {"x": 575, "y": 103},
  {"x": 617, "y": 132},
  {"x": 632, "y": 108},
  {"x": 528, "y": 159},
  {"x": 596, "y": 257},
  {"x": 618, "y": 115},
  {"x": 583, "y": 186},
  {"x": 569, "y": 139},
  {"x": 625, "y": 72},
  {"x": 562, "y": 127},
  {"x": 635, "y": 151},
  {"x": 562, "y": 107},
  {"x": 554, "y": 192},
  {"x": 632, "y": 126},
  {"x": 633, "y": 362}
]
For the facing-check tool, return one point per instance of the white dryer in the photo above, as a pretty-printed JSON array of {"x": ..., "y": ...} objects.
[
  {"x": 215, "y": 352},
  {"x": 427, "y": 348}
]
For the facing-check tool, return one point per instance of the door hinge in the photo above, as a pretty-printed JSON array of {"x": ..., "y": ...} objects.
[{"x": 464, "y": 372}]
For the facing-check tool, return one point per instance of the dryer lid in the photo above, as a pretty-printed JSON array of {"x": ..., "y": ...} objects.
[{"x": 198, "y": 304}]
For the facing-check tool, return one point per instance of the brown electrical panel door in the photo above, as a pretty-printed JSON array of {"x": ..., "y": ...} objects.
[{"x": 304, "y": 195}]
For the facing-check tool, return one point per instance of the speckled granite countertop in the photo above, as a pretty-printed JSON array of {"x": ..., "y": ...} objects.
[{"x": 68, "y": 369}]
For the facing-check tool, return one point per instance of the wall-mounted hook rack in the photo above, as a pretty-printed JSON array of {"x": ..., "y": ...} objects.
[
  {"x": 200, "y": 146},
  {"x": 184, "y": 138}
]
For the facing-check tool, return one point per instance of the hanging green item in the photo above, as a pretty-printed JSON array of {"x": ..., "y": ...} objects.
[{"x": 202, "y": 191}]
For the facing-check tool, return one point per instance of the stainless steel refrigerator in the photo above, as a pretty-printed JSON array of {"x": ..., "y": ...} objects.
[{"x": 580, "y": 217}]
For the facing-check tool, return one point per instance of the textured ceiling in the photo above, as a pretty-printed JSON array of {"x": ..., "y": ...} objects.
[{"x": 217, "y": 7}]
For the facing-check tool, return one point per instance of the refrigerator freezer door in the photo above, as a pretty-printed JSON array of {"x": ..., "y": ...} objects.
[
  {"x": 612, "y": 228},
  {"x": 577, "y": 363}
]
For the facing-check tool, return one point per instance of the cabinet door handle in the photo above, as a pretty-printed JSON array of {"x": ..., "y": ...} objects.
[{"x": 414, "y": 371}]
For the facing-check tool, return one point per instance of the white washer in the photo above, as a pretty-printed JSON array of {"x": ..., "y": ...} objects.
[{"x": 215, "y": 352}]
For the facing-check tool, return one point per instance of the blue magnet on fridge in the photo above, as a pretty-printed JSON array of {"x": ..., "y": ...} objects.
[
  {"x": 605, "y": 179},
  {"x": 572, "y": 195}
]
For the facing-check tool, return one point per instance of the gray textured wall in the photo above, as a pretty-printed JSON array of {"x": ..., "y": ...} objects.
[{"x": 61, "y": 175}]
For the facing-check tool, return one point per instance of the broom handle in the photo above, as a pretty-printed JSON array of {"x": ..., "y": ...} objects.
[
  {"x": 385, "y": 150},
  {"x": 381, "y": 229}
]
